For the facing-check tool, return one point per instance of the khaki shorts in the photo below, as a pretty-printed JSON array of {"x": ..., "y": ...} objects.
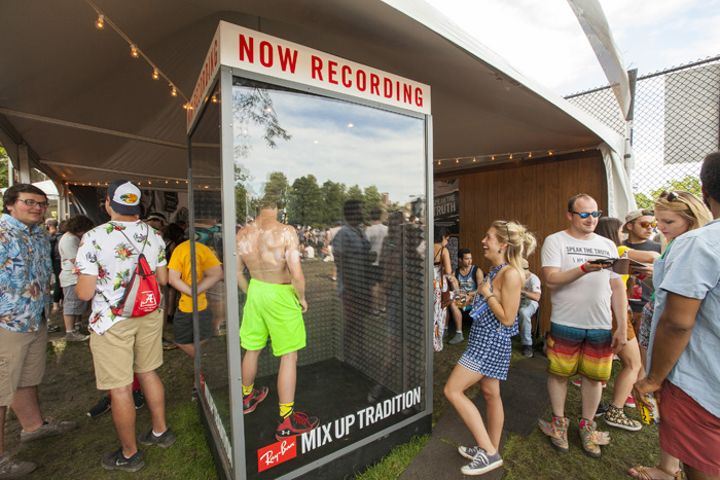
[
  {"x": 22, "y": 361},
  {"x": 131, "y": 345}
]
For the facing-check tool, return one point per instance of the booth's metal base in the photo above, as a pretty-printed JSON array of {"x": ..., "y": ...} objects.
[{"x": 330, "y": 390}]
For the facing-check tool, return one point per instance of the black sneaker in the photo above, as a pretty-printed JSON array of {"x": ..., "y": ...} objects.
[
  {"x": 602, "y": 408},
  {"x": 165, "y": 440},
  {"x": 527, "y": 351},
  {"x": 139, "y": 399},
  {"x": 117, "y": 461},
  {"x": 103, "y": 406}
]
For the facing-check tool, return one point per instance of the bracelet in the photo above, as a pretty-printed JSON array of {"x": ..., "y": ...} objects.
[{"x": 582, "y": 268}]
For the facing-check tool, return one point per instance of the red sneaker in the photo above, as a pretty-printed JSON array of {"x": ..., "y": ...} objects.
[
  {"x": 630, "y": 402},
  {"x": 250, "y": 402},
  {"x": 295, "y": 424}
]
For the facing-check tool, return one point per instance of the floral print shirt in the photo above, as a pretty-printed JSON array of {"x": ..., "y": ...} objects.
[
  {"x": 109, "y": 252},
  {"x": 25, "y": 274}
]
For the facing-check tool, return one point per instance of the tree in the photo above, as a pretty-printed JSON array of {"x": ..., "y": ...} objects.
[
  {"x": 689, "y": 183},
  {"x": 371, "y": 199},
  {"x": 305, "y": 202},
  {"x": 242, "y": 209},
  {"x": 276, "y": 187},
  {"x": 354, "y": 193},
  {"x": 333, "y": 197},
  {"x": 4, "y": 160}
]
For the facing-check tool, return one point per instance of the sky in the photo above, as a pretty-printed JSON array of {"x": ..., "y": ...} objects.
[{"x": 544, "y": 41}]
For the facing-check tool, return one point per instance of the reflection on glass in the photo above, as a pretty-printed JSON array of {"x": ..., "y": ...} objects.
[
  {"x": 206, "y": 174},
  {"x": 330, "y": 200}
]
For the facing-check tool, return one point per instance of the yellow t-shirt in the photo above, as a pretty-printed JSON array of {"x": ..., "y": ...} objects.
[
  {"x": 622, "y": 249},
  {"x": 180, "y": 262}
]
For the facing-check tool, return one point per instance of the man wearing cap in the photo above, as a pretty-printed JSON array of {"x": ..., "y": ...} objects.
[
  {"x": 639, "y": 226},
  {"x": 25, "y": 272},
  {"x": 106, "y": 258}
]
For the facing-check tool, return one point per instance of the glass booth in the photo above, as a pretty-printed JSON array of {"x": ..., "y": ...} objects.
[{"x": 311, "y": 188}]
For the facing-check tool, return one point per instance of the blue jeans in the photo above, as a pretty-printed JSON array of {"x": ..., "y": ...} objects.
[{"x": 525, "y": 313}]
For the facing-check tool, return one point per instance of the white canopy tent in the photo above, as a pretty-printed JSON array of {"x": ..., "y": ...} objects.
[{"x": 74, "y": 104}]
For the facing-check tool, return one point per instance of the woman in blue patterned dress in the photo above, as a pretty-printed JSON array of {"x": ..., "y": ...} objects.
[{"x": 487, "y": 357}]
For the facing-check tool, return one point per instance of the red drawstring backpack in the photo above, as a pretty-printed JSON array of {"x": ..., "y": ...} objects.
[{"x": 142, "y": 293}]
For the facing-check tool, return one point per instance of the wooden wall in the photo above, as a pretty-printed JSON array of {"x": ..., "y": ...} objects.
[{"x": 535, "y": 194}]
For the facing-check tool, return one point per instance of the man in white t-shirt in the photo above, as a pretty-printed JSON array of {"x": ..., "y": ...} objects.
[
  {"x": 121, "y": 346},
  {"x": 584, "y": 292},
  {"x": 376, "y": 234}
]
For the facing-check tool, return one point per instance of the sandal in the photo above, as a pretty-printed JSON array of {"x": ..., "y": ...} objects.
[{"x": 650, "y": 473}]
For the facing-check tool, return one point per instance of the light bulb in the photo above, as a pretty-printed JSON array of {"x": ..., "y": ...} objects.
[
  {"x": 510, "y": 157},
  {"x": 155, "y": 74},
  {"x": 134, "y": 52},
  {"x": 214, "y": 99},
  {"x": 187, "y": 106},
  {"x": 530, "y": 155},
  {"x": 173, "y": 90},
  {"x": 100, "y": 22},
  {"x": 492, "y": 158}
]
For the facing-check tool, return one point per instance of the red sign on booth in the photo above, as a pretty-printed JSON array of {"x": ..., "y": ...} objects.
[{"x": 277, "y": 453}]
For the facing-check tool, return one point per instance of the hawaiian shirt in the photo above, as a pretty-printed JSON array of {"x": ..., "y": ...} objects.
[
  {"x": 109, "y": 252},
  {"x": 25, "y": 274}
]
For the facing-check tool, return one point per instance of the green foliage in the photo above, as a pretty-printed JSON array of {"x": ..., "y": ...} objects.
[
  {"x": 305, "y": 202},
  {"x": 354, "y": 193},
  {"x": 277, "y": 187},
  {"x": 333, "y": 198},
  {"x": 689, "y": 183},
  {"x": 4, "y": 159},
  {"x": 371, "y": 199}
]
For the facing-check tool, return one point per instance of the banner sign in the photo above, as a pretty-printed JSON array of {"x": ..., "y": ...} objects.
[{"x": 257, "y": 52}]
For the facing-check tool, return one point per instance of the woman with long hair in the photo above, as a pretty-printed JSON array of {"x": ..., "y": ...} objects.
[
  {"x": 614, "y": 414},
  {"x": 487, "y": 357},
  {"x": 676, "y": 213},
  {"x": 442, "y": 281}
]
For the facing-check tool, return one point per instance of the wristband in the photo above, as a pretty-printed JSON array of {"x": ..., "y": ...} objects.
[{"x": 582, "y": 268}]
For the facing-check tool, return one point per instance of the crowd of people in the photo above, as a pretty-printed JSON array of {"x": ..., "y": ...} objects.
[
  {"x": 645, "y": 289},
  {"x": 603, "y": 289}
]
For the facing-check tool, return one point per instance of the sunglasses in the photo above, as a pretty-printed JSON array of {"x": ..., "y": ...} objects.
[
  {"x": 32, "y": 203},
  {"x": 652, "y": 224},
  {"x": 584, "y": 215}
]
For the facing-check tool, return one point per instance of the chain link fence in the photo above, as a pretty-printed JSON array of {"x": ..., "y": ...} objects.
[{"x": 676, "y": 123}]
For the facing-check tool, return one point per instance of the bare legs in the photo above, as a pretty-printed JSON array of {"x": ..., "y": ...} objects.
[
  {"x": 27, "y": 409},
  {"x": 631, "y": 366},
  {"x": 591, "y": 392},
  {"x": 123, "y": 410},
  {"x": 456, "y": 316},
  {"x": 287, "y": 375},
  {"x": 70, "y": 322},
  {"x": 460, "y": 380}
]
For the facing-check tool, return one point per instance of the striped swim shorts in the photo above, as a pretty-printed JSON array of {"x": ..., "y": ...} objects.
[{"x": 587, "y": 352}]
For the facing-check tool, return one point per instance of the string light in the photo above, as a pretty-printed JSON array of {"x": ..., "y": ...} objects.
[
  {"x": 187, "y": 106},
  {"x": 550, "y": 153},
  {"x": 474, "y": 159},
  {"x": 457, "y": 160},
  {"x": 530, "y": 155},
  {"x": 214, "y": 98},
  {"x": 515, "y": 156},
  {"x": 135, "y": 51},
  {"x": 492, "y": 158}
]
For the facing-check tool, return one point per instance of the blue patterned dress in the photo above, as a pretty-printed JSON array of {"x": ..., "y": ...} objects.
[{"x": 489, "y": 347}]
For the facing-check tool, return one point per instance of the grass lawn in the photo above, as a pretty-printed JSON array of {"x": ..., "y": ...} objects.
[
  {"x": 531, "y": 456},
  {"x": 77, "y": 455}
]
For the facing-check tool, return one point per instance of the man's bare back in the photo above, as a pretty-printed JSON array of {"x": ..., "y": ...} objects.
[{"x": 269, "y": 250}]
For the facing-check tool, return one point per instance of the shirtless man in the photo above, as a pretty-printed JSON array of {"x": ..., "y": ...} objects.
[{"x": 274, "y": 306}]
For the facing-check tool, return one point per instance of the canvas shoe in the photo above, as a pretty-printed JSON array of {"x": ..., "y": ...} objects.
[
  {"x": 75, "y": 337},
  {"x": 102, "y": 406},
  {"x": 457, "y": 338},
  {"x": 164, "y": 441},
  {"x": 295, "y": 424},
  {"x": 251, "y": 401},
  {"x": 630, "y": 402},
  {"x": 615, "y": 417},
  {"x": 10, "y": 468},
  {"x": 592, "y": 439},
  {"x": 482, "y": 463},
  {"x": 469, "y": 452},
  {"x": 48, "y": 429},
  {"x": 117, "y": 461},
  {"x": 138, "y": 399},
  {"x": 527, "y": 351},
  {"x": 557, "y": 430}
]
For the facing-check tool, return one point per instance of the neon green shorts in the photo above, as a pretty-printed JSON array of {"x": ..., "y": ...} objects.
[{"x": 272, "y": 310}]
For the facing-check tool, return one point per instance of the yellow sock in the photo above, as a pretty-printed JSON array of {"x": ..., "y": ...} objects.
[
  {"x": 248, "y": 390},
  {"x": 286, "y": 409}
]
